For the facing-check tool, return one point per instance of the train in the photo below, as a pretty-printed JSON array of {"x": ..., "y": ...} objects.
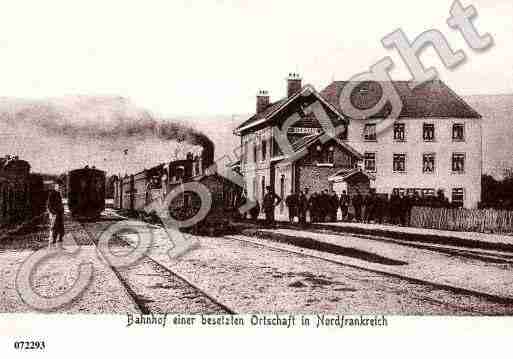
[
  {"x": 86, "y": 192},
  {"x": 22, "y": 194},
  {"x": 134, "y": 193}
]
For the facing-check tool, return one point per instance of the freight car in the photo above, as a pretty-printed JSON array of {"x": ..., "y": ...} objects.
[{"x": 86, "y": 192}]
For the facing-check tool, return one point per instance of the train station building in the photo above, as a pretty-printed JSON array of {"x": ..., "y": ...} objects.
[{"x": 305, "y": 140}]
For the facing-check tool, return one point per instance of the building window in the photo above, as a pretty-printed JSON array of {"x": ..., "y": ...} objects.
[
  {"x": 458, "y": 162},
  {"x": 458, "y": 197},
  {"x": 330, "y": 155},
  {"x": 369, "y": 162},
  {"x": 428, "y": 132},
  {"x": 254, "y": 152},
  {"x": 264, "y": 149},
  {"x": 399, "y": 132},
  {"x": 369, "y": 132},
  {"x": 458, "y": 132},
  {"x": 428, "y": 192},
  {"x": 428, "y": 163},
  {"x": 400, "y": 191},
  {"x": 399, "y": 164},
  {"x": 254, "y": 197},
  {"x": 263, "y": 189},
  {"x": 245, "y": 153}
]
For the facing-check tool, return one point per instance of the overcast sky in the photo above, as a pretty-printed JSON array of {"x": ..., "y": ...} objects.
[{"x": 210, "y": 57}]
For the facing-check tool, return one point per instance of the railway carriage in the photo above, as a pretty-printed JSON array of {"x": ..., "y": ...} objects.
[{"x": 86, "y": 192}]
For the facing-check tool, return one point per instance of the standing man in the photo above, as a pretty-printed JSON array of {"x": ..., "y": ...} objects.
[
  {"x": 334, "y": 205},
  {"x": 313, "y": 206},
  {"x": 357, "y": 204},
  {"x": 344, "y": 205},
  {"x": 303, "y": 206},
  {"x": 56, "y": 212},
  {"x": 324, "y": 206},
  {"x": 271, "y": 200},
  {"x": 370, "y": 205},
  {"x": 395, "y": 206},
  {"x": 292, "y": 204}
]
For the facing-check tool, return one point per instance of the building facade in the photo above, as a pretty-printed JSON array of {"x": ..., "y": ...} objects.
[
  {"x": 285, "y": 146},
  {"x": 433, "y": 145}
]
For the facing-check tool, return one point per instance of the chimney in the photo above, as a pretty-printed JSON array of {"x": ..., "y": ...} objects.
[
  {"x": 262, "y": 101},
  {"x": 293, "y": 84}
]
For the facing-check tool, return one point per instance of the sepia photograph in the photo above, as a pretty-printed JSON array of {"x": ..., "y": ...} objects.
[{"x": 294, "y": 173}]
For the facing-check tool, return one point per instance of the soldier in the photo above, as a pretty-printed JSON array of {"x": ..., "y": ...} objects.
[
  {"x": 56, "y": 212},
  {"x": 271, "y": 200},
  {"x": 292, "y": 204},
  {"x": 379, "y": 208},
  {"x": 395, "y": 207},
  {"x": 323, "y": 205},
  {"x": 357, "y": 204},
  {"x": 312, "y": 207},
  {"x": 344, "y": 205},
  {"x": 334, "y": 205},
  {"x": 370, "y": 205},
  {"x": 302, "y": 206},
  {"x": 404, "y": 205}
]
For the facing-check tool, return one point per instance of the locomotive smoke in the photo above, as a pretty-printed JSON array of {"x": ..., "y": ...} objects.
[{"x": 98, "y": 119}]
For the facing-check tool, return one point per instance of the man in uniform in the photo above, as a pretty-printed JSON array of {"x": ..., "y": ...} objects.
[
  {"x": 271, "y": 200},
  {"x": 303, "y": 205},
  {"x": 395, "y": 204},
  {"x": 314, "y": 208},
  {"x": 324, "y": 205},
  {"x": 357, "y": 204},
  {"x": 344, "y": 205},
  {"x": 292, "y": 204},
  {"x": 56, "y": 212},
  {"x": 370, "y": 206},
  {"x": 333, "y": 205}
]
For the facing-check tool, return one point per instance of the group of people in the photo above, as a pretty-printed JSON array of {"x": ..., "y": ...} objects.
[{"x": 325, "y": 205}]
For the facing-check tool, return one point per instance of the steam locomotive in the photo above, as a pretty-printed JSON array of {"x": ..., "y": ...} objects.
[
  {"x": 134, "y": 193},
  {"x": 86, "y": 192}
]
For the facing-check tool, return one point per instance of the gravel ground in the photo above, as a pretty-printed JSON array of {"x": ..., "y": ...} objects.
[
  {"x": 103, "y": 295},
  {"x": 483, "y": 275},
  {"x": 154, "y": 288},
  {"x": 250, "y": 278}
]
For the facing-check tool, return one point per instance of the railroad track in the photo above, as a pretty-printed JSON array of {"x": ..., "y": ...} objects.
[
  {"x": 496, "y": 299},
  {"x": 155, "y": 288}
]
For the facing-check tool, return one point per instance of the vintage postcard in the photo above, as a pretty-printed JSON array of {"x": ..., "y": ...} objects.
[{"x": 189, "y": 176}]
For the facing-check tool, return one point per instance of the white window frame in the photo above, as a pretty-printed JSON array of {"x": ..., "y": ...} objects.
[
  {"x": 464, "y": 162},
  {"x": 365, "y": 162},
  {"x": 462, "y": 124},
  {"x": 434, "y": 131},
  {"x": 405, "y": 162},
  {"x": 434, "y": 162},
  {"x": 365, "y": 134}
]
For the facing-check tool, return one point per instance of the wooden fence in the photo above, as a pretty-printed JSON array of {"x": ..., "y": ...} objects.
[{"x": 460, "y": 219}]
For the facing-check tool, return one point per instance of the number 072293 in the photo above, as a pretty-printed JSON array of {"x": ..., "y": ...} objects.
[{"x": 29, "y": 345}]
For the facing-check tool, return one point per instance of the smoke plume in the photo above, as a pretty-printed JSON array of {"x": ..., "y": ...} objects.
[{"x": 85, "y": 129}]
